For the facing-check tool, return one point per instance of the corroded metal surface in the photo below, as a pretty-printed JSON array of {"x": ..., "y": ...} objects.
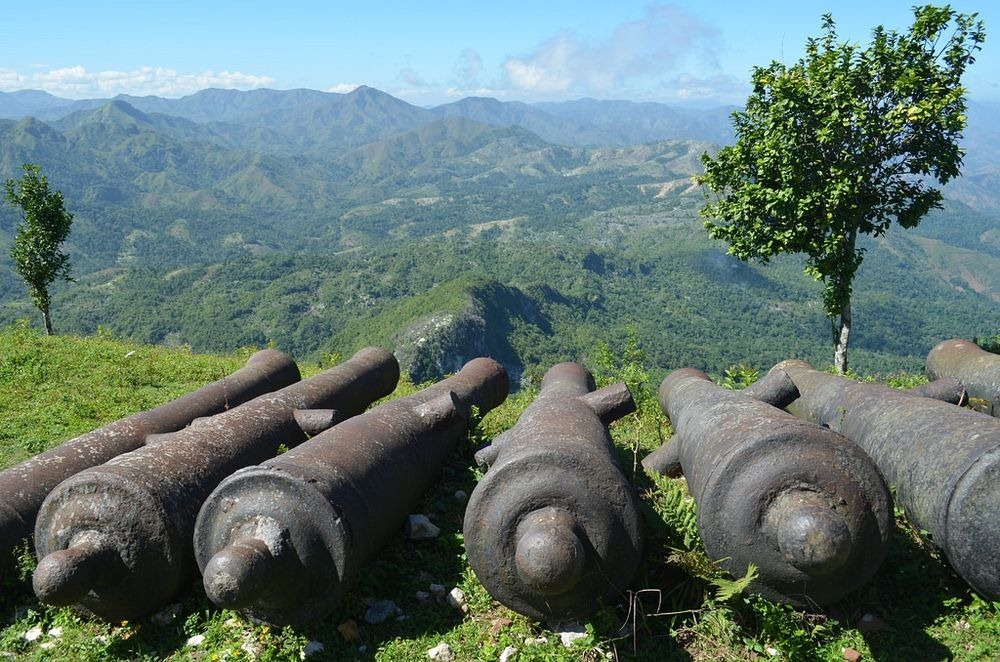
[
  {"x": 282, "y": 541},
  {"x": 977, "y": 369},
  {"x": 944, "y": 462},
  {"x": 552, "y": 530},
  {"x": 23, "y": 487},
  {"x": 116, "y": 538},
  {"x": 775, "y": 388},
  {"x": 803, "y": 504},
  {"x": 946, "y": 389}
]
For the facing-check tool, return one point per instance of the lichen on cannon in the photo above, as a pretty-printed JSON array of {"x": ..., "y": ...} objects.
[
  {"x": 553, "y": 528},
  {"x": 804, "y": 505}
]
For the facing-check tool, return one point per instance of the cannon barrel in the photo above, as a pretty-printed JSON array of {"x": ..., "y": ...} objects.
[
  {"x": 803, "y": 504},
  {"x": 24, "y": 486},
  {"x": 977, "y": 369},
  {"x": 944, "y": 461},
  {"x": 775, "y": 388},
  {"x": 553, "y": 528},
  {"x": 116, "y": 538},
  {"x": 282, "y": 541}
]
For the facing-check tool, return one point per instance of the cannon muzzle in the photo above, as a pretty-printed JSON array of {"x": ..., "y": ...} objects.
[
  {"x": 116, "y": 538},
  {"x": 553, "y": 527},
  {"x": 803, "y": 504},
  {"x": 282, "y": 541},
  {"x": 943, "y": 460}
]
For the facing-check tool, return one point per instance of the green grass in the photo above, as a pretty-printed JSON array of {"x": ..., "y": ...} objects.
[{"x": 675, "y": 609}]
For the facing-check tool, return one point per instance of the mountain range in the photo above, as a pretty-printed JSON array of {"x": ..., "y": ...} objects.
[{"x": 316, "y": 221}]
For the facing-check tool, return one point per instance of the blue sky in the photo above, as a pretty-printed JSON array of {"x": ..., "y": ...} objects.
[{"x": 435, "y": 52}]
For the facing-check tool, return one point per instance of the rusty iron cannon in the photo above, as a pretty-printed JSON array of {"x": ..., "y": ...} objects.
[
  {"x": 553, "y": 528},
  {"x": 115, "y": 539},
  {"x": 23, "y": 487},
  {"x": 775, "y": 388},
  {"x": 282, "y": 541},
  {"x": 977, "y": 370},
  {"x": 807, "y": 507},
  {"x": 943, "y": 460}
]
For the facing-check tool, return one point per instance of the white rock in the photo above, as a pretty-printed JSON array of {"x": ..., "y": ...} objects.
[
  {"x": 570, "y": 632},
  {"x": 508, "y": 654},
  {"x": 456, "y": 598},
  {"x": 441, "y": 652},
  {"x": 422, "y": 596},
  {"x": 311, "y": 648},
  {"x": 536, "y": 640},
  {"x": 33, "y": 634},
  {"x": 438, "y": 589},
  {"x": 381, "y": 611},
  {"x": 47, "y": 645},
  {"x": 55, "y": 632},
  {"x": 419, "y": 527},
  {"x": 196, "y": 640}
]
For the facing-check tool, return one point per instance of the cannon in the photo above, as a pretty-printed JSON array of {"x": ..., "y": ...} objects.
[
  {"x": 115, "y": 539},
  {"x": 553, "y": 528},
  {"x": 977, "y": 370},
  {"x": 807, "y": 507},
  {"x": 23, "y": 487},
  {"x": 775, "y": 388},
  {"x": 943, "y": 460},
  {"x": 281, "y": 542}
]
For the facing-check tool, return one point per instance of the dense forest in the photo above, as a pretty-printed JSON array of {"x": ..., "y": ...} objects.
[{"x": 319, "y": 223}]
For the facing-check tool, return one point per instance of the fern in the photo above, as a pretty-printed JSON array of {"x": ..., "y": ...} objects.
[
  {"x": 677, "y": 509},
  {"x": 726, "y": 589}
]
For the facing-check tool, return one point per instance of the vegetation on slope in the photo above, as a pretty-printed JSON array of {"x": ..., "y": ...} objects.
[{"x": 679, "y": 607}]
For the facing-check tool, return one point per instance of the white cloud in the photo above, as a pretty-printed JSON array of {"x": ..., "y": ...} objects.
[
  {"x": 343, "y": 88},
  {"x": 720, "y": 87},
  {"x": 470, "y": 64},
  {"x": 412, "y": 78},
  {"x": 76, "y": 82},
  {"x": 11, "y": 80},
  {"x": 568, "y": 63}
]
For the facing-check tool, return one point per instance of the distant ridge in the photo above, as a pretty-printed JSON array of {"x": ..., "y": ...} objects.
[
  {"x": 587, "y": 122},
  {"x": 307, "y": 218}
]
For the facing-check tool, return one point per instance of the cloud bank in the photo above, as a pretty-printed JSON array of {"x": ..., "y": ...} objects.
[
  {"x": 78, "y": 83},
  {"x": 658, "y": 43}
]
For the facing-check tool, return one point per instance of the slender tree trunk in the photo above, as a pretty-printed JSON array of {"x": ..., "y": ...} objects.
[
  {"x": 47, "y": 319},
  {"x": 842, "y": 333}
]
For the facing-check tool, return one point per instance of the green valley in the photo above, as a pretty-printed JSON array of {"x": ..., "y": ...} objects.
[{"x": 318, "y": 223}]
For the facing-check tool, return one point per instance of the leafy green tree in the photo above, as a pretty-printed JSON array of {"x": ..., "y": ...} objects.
[
  {"x": 45, "y": 226},
  {"x": 840, "y": 144}
]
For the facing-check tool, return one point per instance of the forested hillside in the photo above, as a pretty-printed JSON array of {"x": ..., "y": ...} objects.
[{"x": 319, "y": 222}]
